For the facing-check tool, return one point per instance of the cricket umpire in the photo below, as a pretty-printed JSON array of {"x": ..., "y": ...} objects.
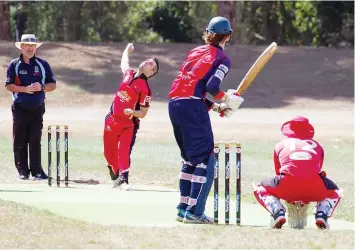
[{"x": 28, "y": 78}]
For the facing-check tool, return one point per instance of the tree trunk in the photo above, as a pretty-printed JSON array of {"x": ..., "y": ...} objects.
[
  {"x": 228, "y": 10},
  {"x": 21, "y": 19},
  {"x": 5, "y": 21},
  {"x": 74, "y": 20},
  {"x": 271, "y": 27}
]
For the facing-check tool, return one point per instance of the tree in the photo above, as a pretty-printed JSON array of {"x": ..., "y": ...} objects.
[
  {"x": 20, "y": 20},
  {"x": 228, "y": 10},
  {"x": 172, "y": 21},
  {"x": 5, "y": 21},
  {"x": 73, "y": 20}
]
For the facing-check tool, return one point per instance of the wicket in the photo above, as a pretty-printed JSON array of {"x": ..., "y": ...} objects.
[
  {"x": 66, "y": 167},
  {"x": 227, "y": 180}
]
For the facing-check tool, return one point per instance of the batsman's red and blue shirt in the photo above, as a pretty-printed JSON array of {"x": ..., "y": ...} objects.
[
  {"x": 201, "y": 73},
  {"x": 133, "y": 93}
]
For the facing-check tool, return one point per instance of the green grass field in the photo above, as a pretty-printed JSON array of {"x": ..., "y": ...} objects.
[
  {"x": 302, "y": 87},
  {"x": 42, "y": 230},
  {"x": 157, "y": 163}
]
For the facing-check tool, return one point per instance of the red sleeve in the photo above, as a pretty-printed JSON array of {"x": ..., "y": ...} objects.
[
  {"x": 145, "y": 96},
  {"x": 276, "y": 163}
]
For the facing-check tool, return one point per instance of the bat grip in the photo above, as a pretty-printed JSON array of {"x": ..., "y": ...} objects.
[{"x": 222, "y": 113}]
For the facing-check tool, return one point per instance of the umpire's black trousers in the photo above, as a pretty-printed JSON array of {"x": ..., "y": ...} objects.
[{"x": 27, "y": 133}]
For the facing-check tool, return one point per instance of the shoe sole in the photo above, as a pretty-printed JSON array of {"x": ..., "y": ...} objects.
[
  {"x": 115, "y": 183},
  {"x": 321, "y": 224},
  {"x": 124, "y": 187},
  {"x": 279, "y": 222},
  {"x": 187, "y": 221},
  {"x": 179, "y": 219}
]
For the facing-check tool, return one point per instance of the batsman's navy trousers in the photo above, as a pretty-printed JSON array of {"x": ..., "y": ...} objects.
[
  {"x": 192, "y": 129},
  {"x": 27, "y": 133},
  {"x": 193, "y": 133}
]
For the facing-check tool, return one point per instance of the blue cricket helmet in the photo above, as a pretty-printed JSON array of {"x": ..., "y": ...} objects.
[{"x": 219, "y": 25}]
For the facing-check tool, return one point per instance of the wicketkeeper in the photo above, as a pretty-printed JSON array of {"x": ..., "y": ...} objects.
[{"x": 299, "y": 177}]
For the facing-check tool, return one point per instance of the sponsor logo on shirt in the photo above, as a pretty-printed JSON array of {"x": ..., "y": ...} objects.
[
  {"x": 224, "y": 68},
  {"x": 219, "y": 74},
  {"x": 37, "y": 71},
  {"x": 148, "y": 99},
  {"x": 184, "y": 76},
  {"x": 23, "y": 72},
  {"x": 123, "y": 95},
  {"x": 301, "y": 156}
]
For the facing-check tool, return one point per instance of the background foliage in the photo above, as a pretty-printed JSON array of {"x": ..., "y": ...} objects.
[{"x": 316, "y": 23}]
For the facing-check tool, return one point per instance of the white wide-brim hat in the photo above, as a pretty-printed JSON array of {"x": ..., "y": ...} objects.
[{"x": 28, "y": 39}]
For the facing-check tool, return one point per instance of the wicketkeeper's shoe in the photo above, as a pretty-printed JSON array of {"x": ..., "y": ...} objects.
[
  {"x": 190, "y": 218},
  {"x": 321, "y": 220},
  {"x": 278, "y": 219},
  {"x": 180, "y": 215},
  {"x": 297, "y": 215}
]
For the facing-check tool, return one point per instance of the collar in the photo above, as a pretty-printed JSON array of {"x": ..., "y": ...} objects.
[
  {"x": 32, "y": 60},
  {"x": 141, "y": 76},
  {"x": 217, "y": 46}
]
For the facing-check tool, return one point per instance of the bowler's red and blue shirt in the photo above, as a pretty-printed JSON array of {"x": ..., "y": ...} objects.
[{"x": 202, "y": 72}]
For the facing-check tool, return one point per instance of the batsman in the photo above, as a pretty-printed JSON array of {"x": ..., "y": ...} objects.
[
  {"x": 299, "y": 178},
  {"x": 204, "y": 69}
]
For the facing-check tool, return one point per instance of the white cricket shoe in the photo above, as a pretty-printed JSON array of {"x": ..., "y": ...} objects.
[
  {"x": 115, "y": 183},
  {"x": 124, "y": 186}
]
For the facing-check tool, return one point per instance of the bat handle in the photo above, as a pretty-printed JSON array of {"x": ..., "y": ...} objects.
[{"x": 222, "y": 113}]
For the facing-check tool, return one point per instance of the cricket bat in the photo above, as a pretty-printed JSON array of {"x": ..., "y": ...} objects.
[{"x": 256, "y": 68}]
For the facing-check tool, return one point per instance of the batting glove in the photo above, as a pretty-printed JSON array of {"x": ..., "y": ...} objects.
[
  {"x": 222, "y": 109},
  {"x": 233, "y": 100}
]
